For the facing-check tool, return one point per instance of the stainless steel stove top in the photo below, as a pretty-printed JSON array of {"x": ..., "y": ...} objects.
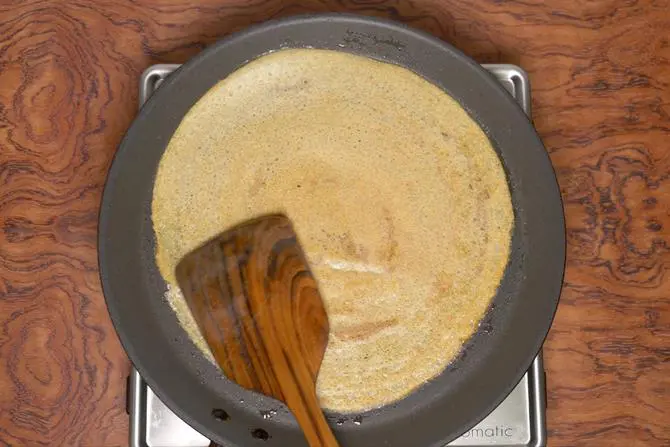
[{"x": 518, "y": 421}]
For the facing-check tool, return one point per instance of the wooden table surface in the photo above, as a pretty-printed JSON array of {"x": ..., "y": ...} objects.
[{"x": 600, "y": 74}]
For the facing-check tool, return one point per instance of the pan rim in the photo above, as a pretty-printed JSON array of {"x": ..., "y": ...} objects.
[{"x": 557, "y": 229}]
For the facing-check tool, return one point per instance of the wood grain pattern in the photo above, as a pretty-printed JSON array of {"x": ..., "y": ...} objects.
[
  {"x": 258, "y": 307},
  {"x": 68, "y": 90}
]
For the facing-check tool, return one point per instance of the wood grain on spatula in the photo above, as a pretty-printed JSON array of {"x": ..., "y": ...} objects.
[{"x": 258, "y": 306}]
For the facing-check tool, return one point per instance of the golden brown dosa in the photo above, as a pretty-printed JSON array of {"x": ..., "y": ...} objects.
[{"x": 397, "y": 196}]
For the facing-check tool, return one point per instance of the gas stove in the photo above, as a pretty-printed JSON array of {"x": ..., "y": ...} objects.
[{"x": 518, "y": 421}]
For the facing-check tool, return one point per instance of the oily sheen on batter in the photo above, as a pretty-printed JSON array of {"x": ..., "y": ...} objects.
[{"x": 397, "y": 196}]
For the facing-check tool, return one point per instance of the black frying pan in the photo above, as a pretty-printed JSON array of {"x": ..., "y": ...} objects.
[{"x": 492, "y": 361}]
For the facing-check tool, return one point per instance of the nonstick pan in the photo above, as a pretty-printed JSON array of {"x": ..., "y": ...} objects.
[{"x": 491, "y": 362}]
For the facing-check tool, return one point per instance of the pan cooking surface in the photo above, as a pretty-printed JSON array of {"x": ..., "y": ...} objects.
[{"x": 404, "y": 211}]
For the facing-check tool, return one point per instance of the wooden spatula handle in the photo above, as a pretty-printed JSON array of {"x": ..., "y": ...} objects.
[
  {"x": 259, "y": 309},
  {"x": 308, "y": 413}
]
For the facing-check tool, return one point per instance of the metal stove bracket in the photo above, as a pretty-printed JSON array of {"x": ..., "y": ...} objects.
[{"x": 494, "y": 430}]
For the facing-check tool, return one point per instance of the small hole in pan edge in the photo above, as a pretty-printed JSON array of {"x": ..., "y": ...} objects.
[
  {"x": 261, "y": 434},
  {"x": 220, "y": 415}
]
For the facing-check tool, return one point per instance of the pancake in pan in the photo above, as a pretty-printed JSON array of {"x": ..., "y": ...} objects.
[{"x": 397, "y": 196}]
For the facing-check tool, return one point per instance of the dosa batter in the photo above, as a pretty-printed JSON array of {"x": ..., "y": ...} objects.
[{"x": 398, "y": 198}]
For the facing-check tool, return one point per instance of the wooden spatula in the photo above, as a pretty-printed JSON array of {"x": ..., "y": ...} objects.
[{"x": 258, "y": 306}]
